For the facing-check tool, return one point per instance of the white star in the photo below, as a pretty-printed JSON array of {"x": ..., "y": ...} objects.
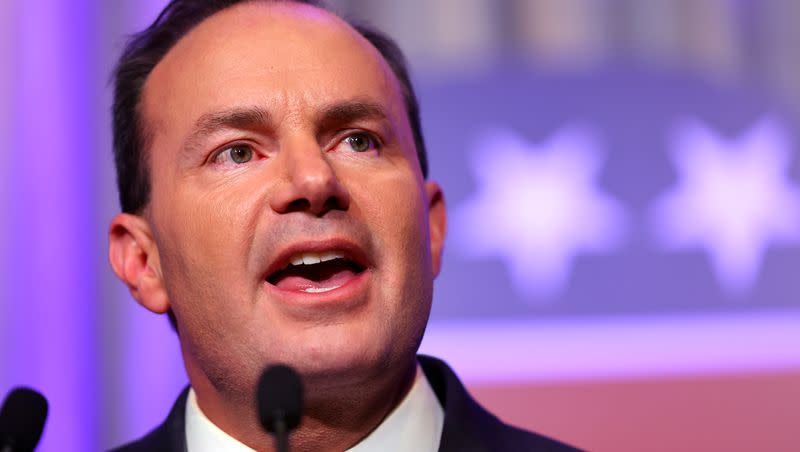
[
  {"x": 537, "y": 207},
  {"x": 733, "y": 199}
]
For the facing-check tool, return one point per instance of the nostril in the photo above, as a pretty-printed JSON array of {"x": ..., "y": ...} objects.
[
  {"x": 309, "y": 195},
  {"x": 299, "y": 205},
  {"x": 334, "y": 203},
  {"x": 304, "y": 205}
]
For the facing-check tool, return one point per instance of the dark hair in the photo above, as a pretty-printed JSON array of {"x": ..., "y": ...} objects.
[{"x": 146, "y": 49}]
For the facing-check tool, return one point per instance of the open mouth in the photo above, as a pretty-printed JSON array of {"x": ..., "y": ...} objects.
[{"x": 316, "y": 272}]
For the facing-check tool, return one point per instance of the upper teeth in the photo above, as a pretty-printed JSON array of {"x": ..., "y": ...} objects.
[{"x": 314, "y": 258}]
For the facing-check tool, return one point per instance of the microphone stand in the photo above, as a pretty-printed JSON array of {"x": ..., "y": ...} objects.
[{"x": 281, "y": 434}]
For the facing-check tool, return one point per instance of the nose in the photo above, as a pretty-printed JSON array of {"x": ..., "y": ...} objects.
[{"x": 310, "y": 184}]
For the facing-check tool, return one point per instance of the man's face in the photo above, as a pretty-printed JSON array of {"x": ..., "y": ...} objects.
[{"x": 279, "y": 136}]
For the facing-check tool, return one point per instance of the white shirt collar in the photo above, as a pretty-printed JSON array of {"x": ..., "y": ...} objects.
[{"x": 414, "y": 425}]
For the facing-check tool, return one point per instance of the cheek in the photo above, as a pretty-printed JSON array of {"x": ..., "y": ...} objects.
[
  {"x": 203, "y": 239},
  {"x": 395, "y": 210},
  {"x": 394, "y": 207}
]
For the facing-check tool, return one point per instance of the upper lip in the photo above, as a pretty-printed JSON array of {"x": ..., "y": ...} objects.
[{"x": 347, "y": 248}]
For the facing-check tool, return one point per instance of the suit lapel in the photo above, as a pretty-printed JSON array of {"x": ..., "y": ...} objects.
[{"x": 467, "y": 426}]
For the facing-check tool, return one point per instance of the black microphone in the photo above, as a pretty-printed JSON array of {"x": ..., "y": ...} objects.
[
  {"x": 22, "y": 420},
  {"x": 280, "y": 403}
]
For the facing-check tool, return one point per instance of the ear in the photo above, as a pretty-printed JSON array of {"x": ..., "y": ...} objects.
[
  {"x": 437, "y": 223},
  {"x": 134, "y": 257}
]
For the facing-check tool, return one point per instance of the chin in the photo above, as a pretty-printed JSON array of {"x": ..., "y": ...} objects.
[{"x": 342, "y": 359}]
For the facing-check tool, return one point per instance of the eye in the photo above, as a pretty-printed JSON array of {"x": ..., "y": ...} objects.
[
  {"x": 237, "y": 153},
  {"x": 361, "y": 142}
]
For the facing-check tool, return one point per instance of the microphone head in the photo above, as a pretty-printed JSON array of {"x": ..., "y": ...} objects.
[
  {"x": 22, "y": 419},
  {"x": 279, "y": 397}
]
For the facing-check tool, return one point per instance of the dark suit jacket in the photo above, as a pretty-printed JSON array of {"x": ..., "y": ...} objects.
[{"x": 467, "y": 426}]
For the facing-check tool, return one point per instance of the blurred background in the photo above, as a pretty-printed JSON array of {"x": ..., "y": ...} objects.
[{"x": 623, "y": 180}]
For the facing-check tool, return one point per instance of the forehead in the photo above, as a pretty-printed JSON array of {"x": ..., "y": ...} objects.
[{"x": 281, "y": 55}]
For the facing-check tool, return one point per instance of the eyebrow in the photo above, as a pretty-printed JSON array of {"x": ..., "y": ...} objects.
[
  {"x": 252, "y": 117},
  {"x": 234, "y": 118},
  {"x": 350, "y": 111}
]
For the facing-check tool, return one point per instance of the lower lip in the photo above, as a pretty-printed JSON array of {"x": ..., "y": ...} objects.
[{"x": 351, "y": 292}]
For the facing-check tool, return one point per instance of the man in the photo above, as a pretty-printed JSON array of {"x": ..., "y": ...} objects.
[{"x": 275, "y": 205}]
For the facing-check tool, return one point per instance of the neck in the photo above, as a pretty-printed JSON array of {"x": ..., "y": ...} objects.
[{"x": 336, "y": 417}]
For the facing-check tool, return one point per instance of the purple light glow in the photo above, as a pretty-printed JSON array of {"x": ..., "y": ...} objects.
[
  {"x": 7, "y": 82},
  {"x": 733, "y": 199},
  {"x": 51, "y": 179},
  {"x": 516, "y": 350},
  {"x": 538, "y": 207}
]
